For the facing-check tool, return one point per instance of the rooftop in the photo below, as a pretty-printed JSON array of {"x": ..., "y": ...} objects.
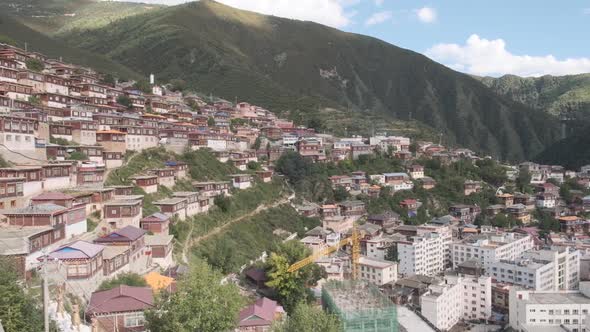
[
  {"x": 77, "y": 250},
  {"x": 43, "y": 209},
  {"x": 127, "y": 233},
  {"x": 47, "y": 196},
  {"x": 120, "y": 299},
  {"x": 564, "y": 297},
  {"x": 158, "y": 239},
  {"x": 170, "y": 201}
]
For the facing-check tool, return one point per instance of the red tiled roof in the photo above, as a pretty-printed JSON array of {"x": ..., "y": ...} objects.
[
  {"x": 48, "y": 196},
  {"x": 127, "y": 233},
  {"x": 120, "y": 299},
  {"x": 261, "y": 313}
]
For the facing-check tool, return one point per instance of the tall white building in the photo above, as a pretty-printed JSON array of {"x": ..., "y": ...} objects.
[
  {"x": 550, "y": 311},
  {"x": 422, "y": 254},
  {"x": 541, "y": 270},
  {"x": 491, "y": 247},
  {"x": 467, "y": 297},
  {"x": 446, "y": 234}
]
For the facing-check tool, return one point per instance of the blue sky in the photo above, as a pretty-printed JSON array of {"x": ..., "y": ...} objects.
[{"x": 523, "y": 37}]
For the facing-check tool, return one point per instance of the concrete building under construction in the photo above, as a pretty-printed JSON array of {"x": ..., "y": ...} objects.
[{"x": 360, "y": 306}]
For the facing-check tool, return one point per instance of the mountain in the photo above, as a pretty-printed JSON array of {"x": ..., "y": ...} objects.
[
  {"x": 301, "y": 67},
  {"x": 16, "y": 33},
  {"x": 55, "y": 17},
  {"x": 572, "y": 152},
  {"x": 566, "y": 95},
  {"x": 554, "y": 94}
]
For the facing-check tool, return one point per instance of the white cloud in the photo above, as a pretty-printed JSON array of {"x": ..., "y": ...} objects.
[
  {"x": 481, "y": 56},
  {"x": 426, "y": 14},
  {"x": 328, "y": 12},
  {"x": 378, "y": 18},
  {"x": 378, "y": 3}
]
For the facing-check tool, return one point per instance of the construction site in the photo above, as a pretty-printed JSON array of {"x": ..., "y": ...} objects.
[{"x": 360, "y": 306}]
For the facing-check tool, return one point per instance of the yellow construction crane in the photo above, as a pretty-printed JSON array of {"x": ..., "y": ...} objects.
[{"x": 356, "y": 253}]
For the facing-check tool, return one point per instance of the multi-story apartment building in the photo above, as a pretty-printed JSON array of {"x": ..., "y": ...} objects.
[
  {"x": 377, "y": 271},
  {"x": 446, "y": 234},
  {"x": 422, "y": 254},
  {"x": 550, "y": 310},
  {"x": 491, "y": 247},
  {"x": 541, "y": 270},
  {"x": 460, "y": 296}
]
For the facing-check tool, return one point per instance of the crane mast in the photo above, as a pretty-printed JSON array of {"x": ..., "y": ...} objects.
[{"x": 356, "y": 252}]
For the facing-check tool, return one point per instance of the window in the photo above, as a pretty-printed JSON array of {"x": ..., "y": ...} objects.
[{"x": 134, "y": 319}]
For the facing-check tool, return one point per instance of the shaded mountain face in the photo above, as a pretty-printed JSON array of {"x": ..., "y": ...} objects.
[
  {"x": 568, "y": 96},
  {"x": 289, "y": 65},
  {"x": 553, "y": 94}
]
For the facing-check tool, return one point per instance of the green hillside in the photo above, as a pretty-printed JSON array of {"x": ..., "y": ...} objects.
[
  {"x": 16, "y": 33},
  {"x": 554, "y": 94},
  {"x": 59, "y": 16},
  {"x": 292, "y": 65}
]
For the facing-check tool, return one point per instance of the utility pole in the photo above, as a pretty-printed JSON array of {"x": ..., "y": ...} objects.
[{"x": 45, "y": 293}]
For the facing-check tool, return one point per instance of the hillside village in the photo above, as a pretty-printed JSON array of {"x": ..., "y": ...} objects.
[{"x": 103, "y": 179}]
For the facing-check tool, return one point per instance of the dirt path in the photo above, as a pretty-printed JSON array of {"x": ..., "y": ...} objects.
[{"x": 189, "y": 242}]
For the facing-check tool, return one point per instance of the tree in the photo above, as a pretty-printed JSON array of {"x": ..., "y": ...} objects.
[
  {"x": 35, "y": 65},
  {"x": 293, "y": 166},
  {"x": 523, "y": 181},
  {"x": 177, "y": 85},
  {"x": 77, "y": 155},
  {"x": 254, "y": 166},
  {"x": 59, "y": 141},
  {"x": 125, "y": 101},
  {"x": 306, "y": 318},
  {"x": 341, "y": 194},
  {"x": 257, "y": 143},
  {"x": 143, "y": 86},
  {"x": 109, "y": 80},
  {"x": 546, "y": 221},
  {"x": 35, "y": 100},
  {"x": 18, "y": 311},
  {"x": 291, "y": 287},
  {"x": 129, "y": 279},
  {"x": 211, "y": 122},
  {"x": 315, "y": 123},
  {"x": 413, "y": 146},
  {"x": 201, "y": 303},
  {"x": 222, "y": 202},
  {"x": 391, "y": 254}
]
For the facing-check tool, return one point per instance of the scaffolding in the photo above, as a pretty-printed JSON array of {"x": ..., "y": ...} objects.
[{"x": 360, "y": 306}]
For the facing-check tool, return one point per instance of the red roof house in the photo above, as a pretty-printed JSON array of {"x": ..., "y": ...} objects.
[
  {"x": 120, "y": 309},
  {"x": 260, "y": 315}
]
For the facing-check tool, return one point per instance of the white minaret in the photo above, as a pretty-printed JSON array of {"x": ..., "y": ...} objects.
[{"x": 152, "y": 79}]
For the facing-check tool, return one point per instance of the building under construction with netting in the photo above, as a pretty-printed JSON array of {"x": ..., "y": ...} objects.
[{"x": 360, "y": 306}]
